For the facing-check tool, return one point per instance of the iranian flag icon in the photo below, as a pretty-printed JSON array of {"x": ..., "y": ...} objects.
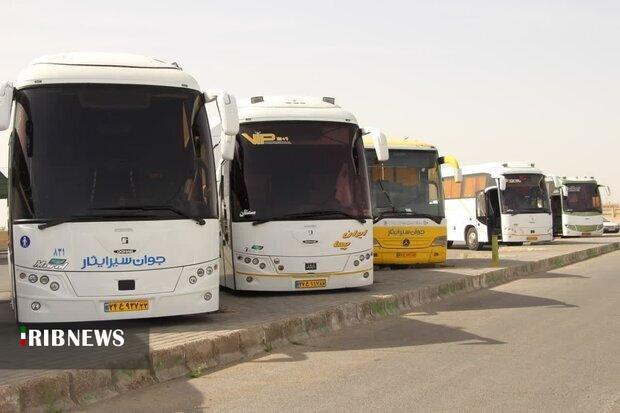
[{"x": 23, "y": 331}]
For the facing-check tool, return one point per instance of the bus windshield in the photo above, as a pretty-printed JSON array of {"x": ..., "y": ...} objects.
[
  {"x": 287, "y": 170},
  {"x": 582, "y": 197},
  {"x": 525, "y": 193},
  {"x": 85, "y": 150},
  {"x": 408, "y": 184}
]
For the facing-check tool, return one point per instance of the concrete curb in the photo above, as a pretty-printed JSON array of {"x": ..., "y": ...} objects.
[{"x": 67, "y": 389}]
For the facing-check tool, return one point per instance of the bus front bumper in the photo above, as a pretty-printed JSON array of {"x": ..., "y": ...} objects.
[
  {"x": 567, "y": 232},
  {"x": 409, "y": 256},
  {"x": 302, "y": 282},
  {"x": 527, "y": 238},
  {"x": 76, "y": 309}
]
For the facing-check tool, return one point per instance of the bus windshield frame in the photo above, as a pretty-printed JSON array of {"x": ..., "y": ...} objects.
[
  {"x": 92, "y": 152},
  {"x": 403, "y": 185},
  {"x": 299, "y": 170}
]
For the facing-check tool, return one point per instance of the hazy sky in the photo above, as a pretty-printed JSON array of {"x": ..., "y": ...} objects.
[{"x": 536, "y": 81}]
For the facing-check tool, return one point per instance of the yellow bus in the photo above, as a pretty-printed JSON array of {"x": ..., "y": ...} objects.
[{"x": 408, "y": 202}]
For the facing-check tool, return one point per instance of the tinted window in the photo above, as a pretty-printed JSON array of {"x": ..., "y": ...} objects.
[
  {"x": 409, "y": 182},
  {"x": 79, "y": 148},
  {"x": 582, "y": 197},
  {"x": 286, "y": 168}
]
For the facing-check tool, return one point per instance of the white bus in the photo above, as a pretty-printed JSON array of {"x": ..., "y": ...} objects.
[
  {"x": 295, "y": 204},
  {"x": 576, "y": 205},
  {"x": 112, "y": 191},
  {"x": 509, "y": 200}
]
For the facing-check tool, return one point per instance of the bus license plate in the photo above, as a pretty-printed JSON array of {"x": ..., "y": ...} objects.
[
  {"x": 532, "y": 238},
  {"x": 405, "y": 254},
  {"x": 125, "y": 305},
  {"x": 320, "y": 283}
]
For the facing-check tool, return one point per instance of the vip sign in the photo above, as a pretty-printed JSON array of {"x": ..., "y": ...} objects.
[
  {"x": 54, "y": 337},
  {"x": 265, "y": 138}
]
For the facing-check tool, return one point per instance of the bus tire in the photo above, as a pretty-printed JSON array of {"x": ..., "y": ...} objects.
[
  {"x": 514, "y": 244},
  {"x": 471, "y": 239},
  {"x": 449, "y": 244}
]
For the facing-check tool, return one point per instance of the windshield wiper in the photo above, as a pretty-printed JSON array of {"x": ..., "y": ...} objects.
[
  {"x": 387, "y": 196},
  {"x": 541, "y": 210},
  {"x": 514, "y": 212},
  {"x": 177, "y": 211},
  {"x": 310, "y": 214},
  {"x": 78, "y": 218}
]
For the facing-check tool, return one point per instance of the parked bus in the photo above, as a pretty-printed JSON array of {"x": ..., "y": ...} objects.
[
  {"x": 576, "y": 205},
  {"x": 112, "y": 191},
  {"x": 408, "y": 203},
  {"x": 295, "y": 205},
  {"x": 509, "y": 200}
]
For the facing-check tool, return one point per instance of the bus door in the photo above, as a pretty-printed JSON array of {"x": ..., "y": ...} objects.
[
  {"x": 226, "y": 267},
  {"x": 487, "y": 211},
  {"x": 494, "y": 213},
  {"x": 556, "y": 210}
]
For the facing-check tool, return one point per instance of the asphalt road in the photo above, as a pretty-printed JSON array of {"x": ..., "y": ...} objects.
[{"x": 550, "y": 342}]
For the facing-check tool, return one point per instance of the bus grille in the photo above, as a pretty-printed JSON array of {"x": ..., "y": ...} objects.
[
  {"x": 586, "y": 228},
  {"x": 399, "y": 243}
]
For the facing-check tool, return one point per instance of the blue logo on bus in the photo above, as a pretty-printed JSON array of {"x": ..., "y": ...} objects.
[{"x": 24, "y": 241}]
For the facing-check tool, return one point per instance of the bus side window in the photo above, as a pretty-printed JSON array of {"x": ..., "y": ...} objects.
[{"x": 481, "y": 207}]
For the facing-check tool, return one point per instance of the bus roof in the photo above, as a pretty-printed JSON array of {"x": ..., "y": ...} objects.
[
  {"x": 110, "y": 68},
  {"x": 496, "y": 169},
  {"x": 274, "y": 108},
  {"x": 402, "y": 143},
  {"x": 571, "y": 178}
]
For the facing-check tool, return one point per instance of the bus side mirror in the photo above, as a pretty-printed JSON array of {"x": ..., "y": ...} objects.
[
  {"x": 454, "y": 163},
  {"x": 229, "y": 118},
  {"x": 556, "y": 182},
  {"x": 607, "y": 190},
  {"x": 458, "y": 175},
  {"x": 502, "y": 183},
  {"x": 6, "y": 103},
  {"x": 564, "y": 191},
  {"x": 379, "y": 141}
]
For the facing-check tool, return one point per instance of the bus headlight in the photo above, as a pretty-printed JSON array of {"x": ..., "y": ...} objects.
[
  {"x": 33, "y": 278},
  {"x": 209, "y": 270},
  {"x": 440, "y": 241},
  {"x": 54, "y": 286}
]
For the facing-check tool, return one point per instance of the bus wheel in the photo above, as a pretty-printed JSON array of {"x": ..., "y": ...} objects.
[
  {"x": 449, "y": 244},
  {"x": 471, "y": 239}
]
